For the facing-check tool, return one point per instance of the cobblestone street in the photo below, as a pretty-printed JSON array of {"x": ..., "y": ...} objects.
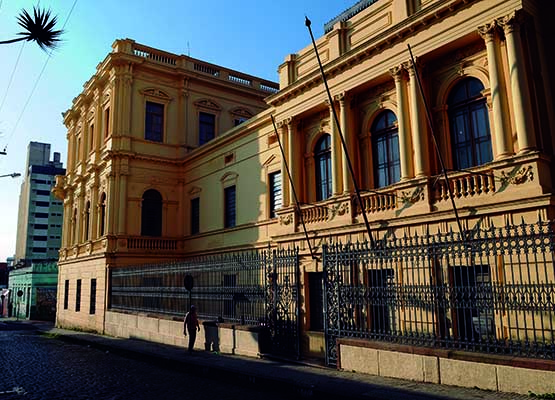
[{"x": 38, "y": 367}]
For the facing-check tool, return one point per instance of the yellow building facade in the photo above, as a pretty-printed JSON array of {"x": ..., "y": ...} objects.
[{"x": 170, "y": 157}]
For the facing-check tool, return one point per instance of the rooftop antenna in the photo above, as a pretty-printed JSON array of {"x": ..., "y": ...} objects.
[{"x": 188, "y": 49}]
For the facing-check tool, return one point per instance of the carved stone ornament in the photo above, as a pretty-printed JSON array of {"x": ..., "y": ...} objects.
[
  {"x": 206, "y": 103},
  {"x": 520, "y": 177},
  {"x": 339, "y": 210},
  {"x": 413, "y": 197},
  {"x": 153, "y": 92},
  {"x": 286, "y": 219},
  {"x": 241, "y": 112}
]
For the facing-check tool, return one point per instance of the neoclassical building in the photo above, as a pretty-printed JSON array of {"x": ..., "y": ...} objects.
[{"x": 171, "y": 158}]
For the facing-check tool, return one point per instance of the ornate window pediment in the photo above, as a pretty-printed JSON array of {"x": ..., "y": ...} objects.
[
  {"x": 156, "y": 93},
  {"x": 207, "y": 104},
  {"x": 241, "y": 112},
  {"x": 195, "y": 190},
  {"x": 229, "y": 178}
]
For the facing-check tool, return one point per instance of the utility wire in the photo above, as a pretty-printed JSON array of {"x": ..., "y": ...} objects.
[
  {"x": 37, "y": 81},
  {"x": 11, "y": 76}
]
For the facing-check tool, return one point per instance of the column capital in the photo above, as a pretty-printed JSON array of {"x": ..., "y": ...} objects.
[
  {"x": 488, "y": 31},
  {"x": 511, "y": 23},
  {"x": 285, "y": 123},
  {"x": 397, "y": 72},
  {"x": 342, "y": 98},
  {"x": 411, "y": 67}
]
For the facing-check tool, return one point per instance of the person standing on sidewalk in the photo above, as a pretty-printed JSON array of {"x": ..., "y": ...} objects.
[{"x": 191, "y": 325}]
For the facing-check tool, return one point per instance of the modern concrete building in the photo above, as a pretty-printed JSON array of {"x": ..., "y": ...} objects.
[
  {"x": 40, "y": 215},
  {"x": 158, "y": 172}
]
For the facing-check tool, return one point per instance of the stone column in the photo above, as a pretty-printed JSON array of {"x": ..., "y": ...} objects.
[
  {"x": 417, "y": 114},
  {"x": 405, "y": 147},
  {"x": 283, "y": 132},
  {"x": 110, "y": 204},
  {"x": 335, "y": 152},
  {"x": 122, "y": 189},
  {"x": 80, "y": 235},
  {"x": 502, "y": 140},
  {"x": 94, "y": 208},
  {"x": 519, "y": 84},
  {"x": 291, "y": 158},
  {"x": 344, "y": 124}
]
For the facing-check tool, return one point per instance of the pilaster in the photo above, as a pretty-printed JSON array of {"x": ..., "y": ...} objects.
[{"x": 503, "y": 146}]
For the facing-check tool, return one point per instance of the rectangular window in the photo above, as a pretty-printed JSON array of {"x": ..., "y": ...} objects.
[
  {"x": 91, "y": 137},
  {"x": 195, "y": 216},
  {"x": 42, "y": 203},
  {"x": 206, "y": 127},
  {"x": 66, "y": 294},
  {"x": 275, "y": 193},
  {"x": 92, "y": 307},
  {"x": 154, "y": 121},
  {"x": 43, "y": 192},
  {"x": 229, "y": 204},
  {"x": 78, "y": 296},
  {"x": 107, "y": 122}
]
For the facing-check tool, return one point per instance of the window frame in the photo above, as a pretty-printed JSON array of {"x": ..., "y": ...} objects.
[
  {"x": 389, "y": 136},
  {"x": 201, "y": 113},
  {"x": 468, "y": 109},
  {"x": 195, "y": 216},
  {"x": 230, "y": 207},
  {"x": 273, "y": 206},
  {"x": 162, "y": 115},
  {"x": 323, "y": 156}
]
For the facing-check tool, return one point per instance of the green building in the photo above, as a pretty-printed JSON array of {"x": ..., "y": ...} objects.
[{"x": 33, "y": 291}]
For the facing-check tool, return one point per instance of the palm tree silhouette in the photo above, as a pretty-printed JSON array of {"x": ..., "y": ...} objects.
[{"x": 39, "y": 28}]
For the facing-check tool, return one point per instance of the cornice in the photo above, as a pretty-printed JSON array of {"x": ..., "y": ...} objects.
[{"x": 411, "y": 26}]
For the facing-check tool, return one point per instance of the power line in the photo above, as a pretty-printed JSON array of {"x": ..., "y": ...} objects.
[
  {"x": 12, "y": 75},
  {"x": 37, "y": 81}
]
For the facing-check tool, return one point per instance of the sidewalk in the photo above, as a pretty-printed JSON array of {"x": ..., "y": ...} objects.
[{"x": 298, "y": 379}]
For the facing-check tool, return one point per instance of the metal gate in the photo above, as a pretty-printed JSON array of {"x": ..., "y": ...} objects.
[{"x": 282, "y": 301}]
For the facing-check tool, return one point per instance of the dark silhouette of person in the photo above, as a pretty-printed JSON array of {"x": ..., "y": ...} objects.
[{"x": 191, "y": 325}]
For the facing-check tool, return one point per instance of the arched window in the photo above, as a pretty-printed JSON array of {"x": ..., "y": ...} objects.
[
  {"x": 322, "y": 158},
  {"x": 102, "y": 215},
  {"x": 468, "y": 120},
  {"x": 87, "y": 219},
  {"x": 151, "y": 214},
  {"x": 385, "y": 148}
]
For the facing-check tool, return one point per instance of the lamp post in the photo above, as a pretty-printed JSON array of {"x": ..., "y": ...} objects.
[{"x": 13, "y": 175}]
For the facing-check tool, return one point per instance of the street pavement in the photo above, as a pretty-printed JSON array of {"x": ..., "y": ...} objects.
[{"x": 44, "y": 362}]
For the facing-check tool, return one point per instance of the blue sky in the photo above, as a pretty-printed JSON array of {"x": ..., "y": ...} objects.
[{"x": 250, "y": 36}]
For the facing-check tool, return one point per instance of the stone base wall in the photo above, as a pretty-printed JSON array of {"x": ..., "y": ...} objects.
[
  {"x": 224, "y": 338},
  {"x": 497, "y": 373}
]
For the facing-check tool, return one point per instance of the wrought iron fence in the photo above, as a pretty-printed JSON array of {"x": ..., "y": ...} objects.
[
  {"x": 230, "y": 287},
  {"x": 491, "y": 291}
]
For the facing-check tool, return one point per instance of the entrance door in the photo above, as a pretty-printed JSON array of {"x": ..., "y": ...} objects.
[{"x": 473, "y": 299}]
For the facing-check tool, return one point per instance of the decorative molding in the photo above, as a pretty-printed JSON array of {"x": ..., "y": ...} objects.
[
  {"x": 229, "y": 177},
  {"x": 195, "y": 190},
  {"x": 156, "y": 93},
  {"x": 286, "y": 219},
  {"x": 488, "y": 31},
  {"x": 208, "y": 104},
  {"x": 519, "y": 177},
  {"x": 241, "y": 112},
  {"x": 269, "y": 161},
  {"x": 338, "y": 210}
]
